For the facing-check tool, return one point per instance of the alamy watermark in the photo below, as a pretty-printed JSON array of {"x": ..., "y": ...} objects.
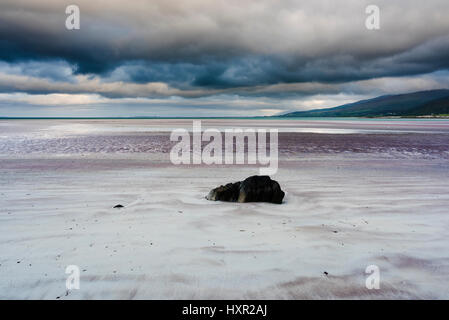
[
  {"x": 372, "y": 22},
  {"x": 373, "y": 280},
  {"x": 73, "y": 20},
  {"x": 73, "y": 280},
  {"x": 235, "y": 140}
]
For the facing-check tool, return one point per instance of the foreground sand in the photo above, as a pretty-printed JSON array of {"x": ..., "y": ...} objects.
[{"x": 343, "y": 211}]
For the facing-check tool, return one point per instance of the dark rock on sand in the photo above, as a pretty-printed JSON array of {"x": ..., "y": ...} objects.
[
  {"x": 229, "y": 192},
  {"x": 118, "y": 206},
  {"x": 252, "y": 189}
]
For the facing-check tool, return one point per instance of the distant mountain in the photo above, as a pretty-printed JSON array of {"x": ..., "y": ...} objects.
[{"x": 408, "y": 104}]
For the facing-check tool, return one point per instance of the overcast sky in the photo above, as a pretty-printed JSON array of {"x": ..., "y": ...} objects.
[{"x": 215, "y": 58}]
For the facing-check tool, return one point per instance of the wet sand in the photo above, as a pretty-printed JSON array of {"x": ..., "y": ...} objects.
[{"x": 354, "y": 197}]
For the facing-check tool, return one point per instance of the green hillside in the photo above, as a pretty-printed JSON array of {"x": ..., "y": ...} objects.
[{"x": 409, "y": 104}]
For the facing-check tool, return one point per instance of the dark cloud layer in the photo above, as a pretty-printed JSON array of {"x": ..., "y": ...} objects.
[
  {"x": 202, "y": 44},
  {"x": 192, "y": 49}
]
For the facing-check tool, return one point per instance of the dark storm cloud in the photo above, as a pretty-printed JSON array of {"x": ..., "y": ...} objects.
[
  {"x": 202, "y": 48},
  {"x": 52, "y": 70}
]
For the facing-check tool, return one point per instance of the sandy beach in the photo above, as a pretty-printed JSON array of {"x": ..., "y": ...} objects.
[{"x": 358, "y": 193}]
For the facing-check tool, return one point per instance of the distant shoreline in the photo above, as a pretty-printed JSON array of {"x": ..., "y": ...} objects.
[{"x": 208, "y": 118}]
